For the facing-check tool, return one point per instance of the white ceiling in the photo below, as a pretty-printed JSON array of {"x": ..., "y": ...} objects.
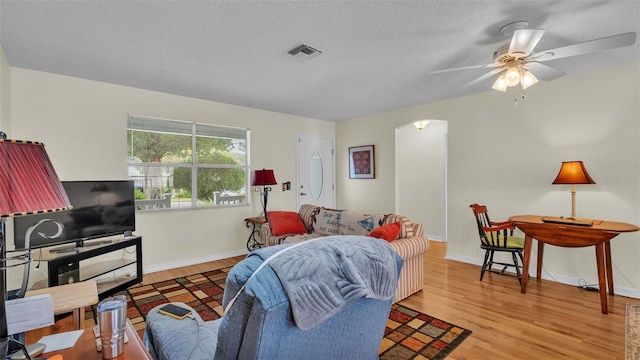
[{"x": 376, "y": 54}]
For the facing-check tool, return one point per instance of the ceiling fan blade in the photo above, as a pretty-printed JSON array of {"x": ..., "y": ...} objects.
[
  {"x": 465, "y": 68},
  {"x": 543, "y": 71},
  {"x": 483, "y": 78},
  {"x": 586, "y": 47},
  {"x": 523, "y": 41}
]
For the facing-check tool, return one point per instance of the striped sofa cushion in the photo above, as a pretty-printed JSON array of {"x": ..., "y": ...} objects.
[
  {"x": 307, "y": 212},
  {"x": 417, "y": 229},
  {"x": 406, "y": 229},
  {"x": 268, "y": 239}
]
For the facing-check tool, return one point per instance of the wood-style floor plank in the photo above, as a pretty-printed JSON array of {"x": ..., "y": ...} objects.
[{"x": 550, "y": 321}]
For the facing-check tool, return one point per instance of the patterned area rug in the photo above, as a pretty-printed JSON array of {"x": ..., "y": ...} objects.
[
  {"x": 413, "y": 335},
  {"x": 632, "y": 332},
  {"x": 409, "y": 334}
]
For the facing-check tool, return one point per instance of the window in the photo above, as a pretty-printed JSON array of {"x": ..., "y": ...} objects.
[{"x": 177, "y": 164}]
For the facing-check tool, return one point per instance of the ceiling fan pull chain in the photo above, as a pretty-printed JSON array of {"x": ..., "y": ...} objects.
[{"x": 515, "y": 100}]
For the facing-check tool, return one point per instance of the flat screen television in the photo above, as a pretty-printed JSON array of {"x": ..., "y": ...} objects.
[{"x": 100, "y": 208}]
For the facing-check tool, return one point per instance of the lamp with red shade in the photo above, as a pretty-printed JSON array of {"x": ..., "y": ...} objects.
[
  {"x": 28, "y": 185},
  {"x": 263, "y": 178}
]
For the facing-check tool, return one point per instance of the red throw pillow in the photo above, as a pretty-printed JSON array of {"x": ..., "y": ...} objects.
[
  {"x": 285, "y": 222},
  {"x": 388, "y": 232}
]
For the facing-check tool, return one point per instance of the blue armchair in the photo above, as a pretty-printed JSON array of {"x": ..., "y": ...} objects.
[{"x": 261, "y": 325}]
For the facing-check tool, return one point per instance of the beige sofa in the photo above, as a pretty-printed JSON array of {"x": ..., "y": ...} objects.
[{"x": 411, "y": 243}]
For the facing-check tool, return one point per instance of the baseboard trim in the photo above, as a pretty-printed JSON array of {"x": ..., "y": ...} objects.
[{"x": 189, "y": 262}]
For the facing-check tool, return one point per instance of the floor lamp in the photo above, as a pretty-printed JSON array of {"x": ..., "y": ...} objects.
[
  {"x": 572, "y": 173},
  {"x": 28, "y": 185},
  {"x": 263, "y": 178}
]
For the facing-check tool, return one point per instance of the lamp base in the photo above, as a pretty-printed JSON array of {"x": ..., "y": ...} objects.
[{"x": 264, "y": 208}]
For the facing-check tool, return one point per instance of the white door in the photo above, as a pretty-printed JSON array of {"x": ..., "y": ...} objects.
[{"x": 316, "y": 171}]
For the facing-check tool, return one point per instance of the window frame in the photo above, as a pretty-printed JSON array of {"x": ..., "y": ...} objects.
[{"x": 197, "y": 130}]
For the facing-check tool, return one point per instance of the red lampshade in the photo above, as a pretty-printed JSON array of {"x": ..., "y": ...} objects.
[
  {"x": 28, "y": 185},
  {"x": 573, "y": 172},
  {"x": 28, "y": 182},
  {"x": 263, "y": 177}
]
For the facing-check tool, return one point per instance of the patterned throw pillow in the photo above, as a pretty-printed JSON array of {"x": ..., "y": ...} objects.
[
  {"x": 388, "y": 232},
  {"x": 285, "y": 222},
  {"x": 325, "y": 222},
  {"x": 354, "y": 223}
]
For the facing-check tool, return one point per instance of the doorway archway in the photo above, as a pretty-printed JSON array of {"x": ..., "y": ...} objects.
[{"x": 421, "y": 176}]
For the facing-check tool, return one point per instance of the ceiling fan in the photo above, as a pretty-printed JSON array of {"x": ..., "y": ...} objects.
[{"x": 517, "y": 62}]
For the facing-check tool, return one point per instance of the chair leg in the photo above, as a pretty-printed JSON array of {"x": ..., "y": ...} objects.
[
  {"x": 515, "y": 262},
  {"x": 521, "y": 261},
  {"x": 486, "y": 263},
  {"x": 491, "y": 260}
]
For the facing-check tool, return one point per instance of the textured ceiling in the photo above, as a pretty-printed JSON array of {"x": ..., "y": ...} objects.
[{"x": 376, "y": 54}]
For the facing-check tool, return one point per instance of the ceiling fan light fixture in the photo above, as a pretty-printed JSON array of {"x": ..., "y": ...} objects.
[
  {"x": 512, "y": 76},
  {"x": 527, "y": 79},
  {"x": 500, "y": 84}
]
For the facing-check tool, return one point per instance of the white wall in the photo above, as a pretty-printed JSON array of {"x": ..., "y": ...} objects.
[
  {"x": 498, "y": 155},
  {"x": 507, "y": 158},
  {"x": 5, "y": 94},
  {"x": 83, "y": 125}
]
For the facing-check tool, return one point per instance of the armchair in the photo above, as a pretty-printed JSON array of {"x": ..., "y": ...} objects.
[{"x": 260, "y": 324}]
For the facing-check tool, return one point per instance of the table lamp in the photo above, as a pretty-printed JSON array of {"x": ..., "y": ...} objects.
[
  {"x": 263, "y": 178},
  {"x": 572, "y": 173},
  {"x": 28, "y": 185}
]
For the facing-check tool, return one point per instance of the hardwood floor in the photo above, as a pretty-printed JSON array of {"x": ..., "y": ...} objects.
[{"x": 551, "y": 321}]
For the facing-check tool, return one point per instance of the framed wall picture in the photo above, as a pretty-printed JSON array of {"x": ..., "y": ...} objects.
[{"x": 362, "y": 163}]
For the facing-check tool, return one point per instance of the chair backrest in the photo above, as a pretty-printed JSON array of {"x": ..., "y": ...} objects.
[
  {"x": 490, "y": 234},
  {"x": 260, "y": 323}
]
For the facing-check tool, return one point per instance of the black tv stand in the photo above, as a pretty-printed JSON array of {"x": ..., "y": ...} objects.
[
  {"x": 78, "y": 246},
  {"x": 94, "y": 260}
]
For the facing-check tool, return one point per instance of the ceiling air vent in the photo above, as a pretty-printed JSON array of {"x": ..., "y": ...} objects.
[{"x": 304, "y": 52}]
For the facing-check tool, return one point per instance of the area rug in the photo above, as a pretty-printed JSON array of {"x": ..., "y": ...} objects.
[
  {"x": 409, "y": 334},
  {"x": 632, "y": 332}
]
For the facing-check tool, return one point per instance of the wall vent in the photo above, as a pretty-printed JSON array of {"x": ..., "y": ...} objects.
[{"x": 304, "y": 52}]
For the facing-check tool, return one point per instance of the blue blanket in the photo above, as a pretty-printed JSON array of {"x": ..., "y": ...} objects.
[{"x": 324, "y": 275}]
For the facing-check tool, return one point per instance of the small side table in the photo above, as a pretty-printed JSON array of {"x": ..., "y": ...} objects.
[
  {"x": 85, "y": 347},
  {"x": 71, "y": 298},
  {"x": 255, "y": 223}
]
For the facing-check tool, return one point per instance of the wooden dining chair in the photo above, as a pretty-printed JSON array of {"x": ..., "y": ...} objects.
[{"x": 497, "y": 236}]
